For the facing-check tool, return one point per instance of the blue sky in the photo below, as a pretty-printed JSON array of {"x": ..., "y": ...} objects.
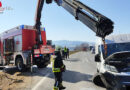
[{"x": 59, "y": 24}]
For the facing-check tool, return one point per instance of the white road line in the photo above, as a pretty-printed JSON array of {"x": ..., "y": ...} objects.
[{"x": 40, "y": 82}]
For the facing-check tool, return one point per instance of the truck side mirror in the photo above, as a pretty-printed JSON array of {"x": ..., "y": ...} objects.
[
  {"x": 49, "y": 42},
  {"x": 97, "y": 58}
]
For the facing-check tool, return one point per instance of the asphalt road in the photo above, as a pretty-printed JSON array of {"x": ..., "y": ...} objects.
[{"x": 78, "y": 76}]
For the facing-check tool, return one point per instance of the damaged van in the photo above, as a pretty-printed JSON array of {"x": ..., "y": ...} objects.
[{"x": 113, "y": 67}]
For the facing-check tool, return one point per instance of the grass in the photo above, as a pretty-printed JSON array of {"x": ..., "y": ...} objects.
[{"x": 73, "y": 52}]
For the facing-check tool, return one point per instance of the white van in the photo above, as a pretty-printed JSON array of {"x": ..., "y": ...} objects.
[{"x": 114, "y": 67}]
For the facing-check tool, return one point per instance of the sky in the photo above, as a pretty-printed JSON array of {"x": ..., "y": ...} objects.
[{"x": 59, "y": 24}]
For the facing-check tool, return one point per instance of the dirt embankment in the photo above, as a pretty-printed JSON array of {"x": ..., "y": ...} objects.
[{"x": 13, "y": 80}]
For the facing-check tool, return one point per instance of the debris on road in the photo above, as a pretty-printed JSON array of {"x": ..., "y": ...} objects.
[{"x": 15, "y": 81}]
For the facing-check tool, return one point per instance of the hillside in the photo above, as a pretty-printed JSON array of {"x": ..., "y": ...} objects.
[{"x": 70, "y": 44}]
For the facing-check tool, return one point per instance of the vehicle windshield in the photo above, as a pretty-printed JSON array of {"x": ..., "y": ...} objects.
[{"x": 115, "y": 47}]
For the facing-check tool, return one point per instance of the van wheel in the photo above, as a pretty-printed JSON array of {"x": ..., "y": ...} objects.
[
  {"x": 97, "y": 80},
  {"x": 19, "y": 64}
]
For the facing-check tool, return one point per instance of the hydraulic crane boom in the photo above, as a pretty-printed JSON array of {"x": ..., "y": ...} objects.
[
  {"x": 38, "y": 22},
  {"x": 97, "y": 22},
  {"x": 100, "y": 24}
]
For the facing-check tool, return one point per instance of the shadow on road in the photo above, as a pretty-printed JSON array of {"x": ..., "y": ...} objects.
[
  {"x": 68, "y": 76},
  {"x": 10, "y": 71},
  {"x": 75, "y": 77}
]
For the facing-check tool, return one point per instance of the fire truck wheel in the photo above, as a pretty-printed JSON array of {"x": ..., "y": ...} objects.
[{"x": 19, "y": 64}]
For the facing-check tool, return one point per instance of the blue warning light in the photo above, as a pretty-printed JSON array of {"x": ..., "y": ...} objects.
[
  {"x": 44, "y": 29},
  {"x": 22, "y": 27}
]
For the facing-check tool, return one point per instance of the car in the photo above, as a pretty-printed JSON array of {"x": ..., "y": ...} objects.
[
  {"x": 93, "y": 50},
  {"x": 114, "y": 66}
]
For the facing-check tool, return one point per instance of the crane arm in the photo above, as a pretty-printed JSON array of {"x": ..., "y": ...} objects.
[
  {"x": 38, "y": 22},
  {"x": 97, "y": 22}
]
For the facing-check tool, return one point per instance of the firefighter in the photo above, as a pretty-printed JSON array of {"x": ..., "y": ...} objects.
[
  {"x": 57, "y": 68},
  {"x": 68, "y": 52},
  {"x": 65, "y": 52}
]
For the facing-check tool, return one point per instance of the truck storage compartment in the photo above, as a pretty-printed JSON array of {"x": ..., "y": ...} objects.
[{"x": 8, "y": 46}]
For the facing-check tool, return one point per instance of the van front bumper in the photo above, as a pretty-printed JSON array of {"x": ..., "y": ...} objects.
[{"x": 115, "y": 80}]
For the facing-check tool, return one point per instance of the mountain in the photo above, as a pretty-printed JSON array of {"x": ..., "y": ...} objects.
[{"x": 70, "y": 44}]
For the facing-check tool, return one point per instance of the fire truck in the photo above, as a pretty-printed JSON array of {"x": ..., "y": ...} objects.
[{"x": 19, "y": 47}]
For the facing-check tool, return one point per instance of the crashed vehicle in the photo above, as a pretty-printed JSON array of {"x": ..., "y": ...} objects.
[{"x": 113, "y": 67}]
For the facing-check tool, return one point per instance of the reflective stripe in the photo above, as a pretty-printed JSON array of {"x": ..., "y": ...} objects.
[
  {"x": 55, "y": 88},
  {"x": 56, "y": 69},
  {"x": 65, "y": 49},
  {"x": 57, "y": 83},
  {"x": 52, "y": 59}
]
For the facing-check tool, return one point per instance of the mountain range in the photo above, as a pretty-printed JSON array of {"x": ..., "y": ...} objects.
[{"x": 70, "y": 44}]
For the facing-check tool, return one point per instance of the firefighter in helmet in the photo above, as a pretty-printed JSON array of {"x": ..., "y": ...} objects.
[
  {"x": 57, "y": 68},
  {"x": 65, "y": 52}
]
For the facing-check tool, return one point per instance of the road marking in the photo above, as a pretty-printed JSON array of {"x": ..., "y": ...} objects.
[
  {"x": 40, "y": 82},
  {"x": 87, "y": 89}
]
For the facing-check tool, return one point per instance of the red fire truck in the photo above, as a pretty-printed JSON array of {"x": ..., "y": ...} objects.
[{"x": 19, "y": 47}]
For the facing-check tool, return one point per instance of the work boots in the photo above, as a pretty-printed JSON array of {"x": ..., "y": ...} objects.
[
  {"x": 61, "y": 87},
  {"x": 55, "y": 88}
]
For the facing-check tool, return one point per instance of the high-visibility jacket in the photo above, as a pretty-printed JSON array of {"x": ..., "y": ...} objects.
[
  {"x": 65, "y": 49},
  {"x": 57, "y": 63}
]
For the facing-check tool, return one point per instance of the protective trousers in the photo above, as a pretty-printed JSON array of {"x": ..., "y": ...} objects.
[
  {"x": 58, "y": 80},
  {"x": 65, "y": 55}
]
